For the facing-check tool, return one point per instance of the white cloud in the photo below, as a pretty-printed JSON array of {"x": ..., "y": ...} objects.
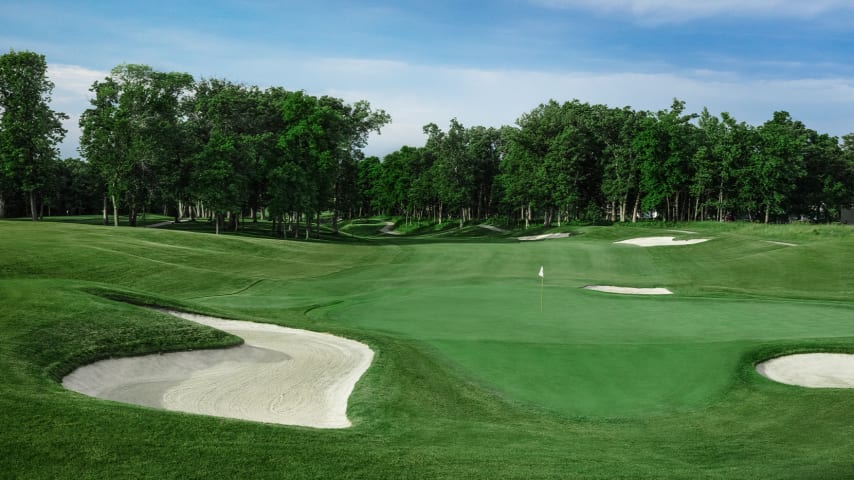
[
  {"x": 657, "y": 11},
  {"x": 416, "y": 94},
  {"x": 71, "y": 96}
]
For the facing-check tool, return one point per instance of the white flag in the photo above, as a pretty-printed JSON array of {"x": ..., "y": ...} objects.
[{"x": 541, "y": 273}]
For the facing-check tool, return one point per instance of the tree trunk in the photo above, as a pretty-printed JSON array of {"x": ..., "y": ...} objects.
[
  {"x": 2, "y": 205},
  {"x": 696, "y": 208},
  {"x": 132, "y": 216},
  {"x": 33, "y": 214},
  {"x": 334, "y": 221},
  {"x": 635, "y": 209},
  {"x": 767, "y": 212},
  {"x": 526, "y": 212},
  {"x": 623, "y": 207},
  {"x": 105, "y": 212},
  {"x": 115, "y": 211}
]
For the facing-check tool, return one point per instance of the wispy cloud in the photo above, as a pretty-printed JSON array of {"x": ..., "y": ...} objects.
[{"x": 666, "y": 11}]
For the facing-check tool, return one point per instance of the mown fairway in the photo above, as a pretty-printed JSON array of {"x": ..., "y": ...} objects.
[{"x": 471, "y": 379}]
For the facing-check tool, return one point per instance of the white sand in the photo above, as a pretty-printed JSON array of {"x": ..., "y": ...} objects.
[
  {"x": 544, "y": 236},
  {"x": 661, "y": 241},
  {"x": 629, "y": 290},
  {"x": 493, "y": 228},
  {"x": 280, "y": 375},
  {"x": 160, "y": 224},
  {"x": 387, "y": 229},
  {"x": 815, "y": 370},
  {"x": 688, "y": 232},
  {"x": 785, "y": 244}
]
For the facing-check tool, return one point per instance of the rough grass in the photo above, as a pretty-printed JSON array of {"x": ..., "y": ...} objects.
[{"x": 470, "y": 379}]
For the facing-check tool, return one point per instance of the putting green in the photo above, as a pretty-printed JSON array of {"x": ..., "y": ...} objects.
[
  {"x": 588, "y": 354},
  {"x": 585, "y": 354}
]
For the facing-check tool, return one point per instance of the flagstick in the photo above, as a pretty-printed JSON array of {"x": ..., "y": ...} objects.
[{"x": 541, "y": 294}]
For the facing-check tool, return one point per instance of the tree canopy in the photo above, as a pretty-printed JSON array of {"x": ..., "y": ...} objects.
[
  {"x": 221, "y": 150},
  {"x": 29, "y": 130}
]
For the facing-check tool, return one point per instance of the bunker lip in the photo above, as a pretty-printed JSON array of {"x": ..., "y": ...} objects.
[
  {"x": 629, "y": 290},
  {"x": 279, "y": 375},
  {"x": 661, "y": 241},
  {"x": 812, "y": 370}
]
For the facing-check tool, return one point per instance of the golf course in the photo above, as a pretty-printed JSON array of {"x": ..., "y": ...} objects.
[{"x": 480, "y": 368}]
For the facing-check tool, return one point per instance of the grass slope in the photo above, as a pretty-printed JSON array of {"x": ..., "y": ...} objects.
[{"x": 470, "y": 380}]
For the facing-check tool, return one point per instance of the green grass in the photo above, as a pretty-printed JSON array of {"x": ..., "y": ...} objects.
[{"x": 470, "y": 378}]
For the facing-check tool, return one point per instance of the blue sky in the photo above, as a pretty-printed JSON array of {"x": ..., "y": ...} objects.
[{"x": 484, "y": 62}]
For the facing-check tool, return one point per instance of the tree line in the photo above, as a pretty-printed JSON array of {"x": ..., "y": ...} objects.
[
  {"x": 210, "y": 148},
  {"x": 574, "y": 161},
  {"x": 221, "y": 150}
]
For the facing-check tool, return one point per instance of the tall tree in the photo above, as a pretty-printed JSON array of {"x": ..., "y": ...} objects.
[
  {"x": 664, "y": 147},
  {"x": 484, "y": 151},
  {"x": 826, "y": 185},
  {"x": 101, "y": 142},
  {"x": 617, "y": 128},
  {"x": 222, "y": 120},
  {"x": 132, "y": 133},
  {"x": 453, "y": 170},
  {"x": 778, "y": 163},
  {"x": 355, "y": 123},
  {"x": 29, "y": 129}
]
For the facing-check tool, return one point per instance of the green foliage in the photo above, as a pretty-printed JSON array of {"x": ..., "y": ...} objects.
[
  {"x": 29, "y": 129},
  {"x": 292, "y": 156}
]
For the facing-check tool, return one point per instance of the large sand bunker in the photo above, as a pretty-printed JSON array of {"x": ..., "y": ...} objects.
[
  {"x": 815, "y": 370},
  {"x": 279, "y": 375},
  {"x": 629, "y": 290},
  {"x": 661, "y": 241}
]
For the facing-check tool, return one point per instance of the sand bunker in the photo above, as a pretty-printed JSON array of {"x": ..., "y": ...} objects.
[
  {"x": 493, "y": 228},
  {"x": 629, "y": 290},
  {"x": 661, "y": 241},
  {"x": 279, "y": 375},
  {"x": 544, "y": 236},
  {"x": 815, "y": 370},
  {"x": 387, "y": 229},
  {"x": 785, "y": 244}
]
